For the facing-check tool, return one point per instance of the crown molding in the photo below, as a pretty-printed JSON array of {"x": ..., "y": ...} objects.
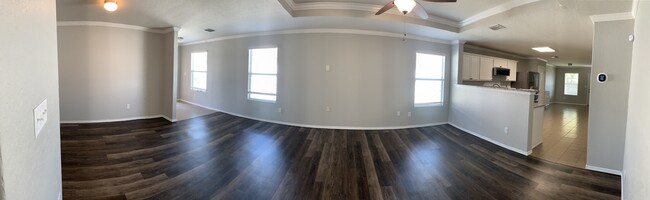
[
  {"x": 495, "y": 10},
  {"x": 538, "y": 58},
  {"x": 635, "y": 8},
  {"x": 360, "y": 7},
  {"x": 336, "y": 31},
  {"x": 612, "y": 17},
  {"x": 116, "y": 25}
]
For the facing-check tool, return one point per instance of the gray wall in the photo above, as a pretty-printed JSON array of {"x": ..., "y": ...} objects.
[
  {"x": 550, "y": 82},
  {"x": 468, "y": 110},
  {"x": 170, "y": 75},
  {"x": 103, "y": 68},
  {"x": 636, "y": 175},
  {"x": 31, "y": 167},
  {"x": 371, "y": 78},
  {"x": 608, "y": 110},
  {"x": 583, "y": 85}
]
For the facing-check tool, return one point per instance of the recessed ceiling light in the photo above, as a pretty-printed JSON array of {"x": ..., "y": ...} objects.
[
  {"x": 209, "y": 30},
  {"x": 497, "y": 27},
  {"x": 544, "y": 49}
]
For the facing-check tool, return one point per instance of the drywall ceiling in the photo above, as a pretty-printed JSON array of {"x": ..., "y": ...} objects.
[{"x": 562, "y": 24}]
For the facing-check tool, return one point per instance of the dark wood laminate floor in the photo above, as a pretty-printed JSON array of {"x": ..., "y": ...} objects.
[{"x": 220, "y": 156}]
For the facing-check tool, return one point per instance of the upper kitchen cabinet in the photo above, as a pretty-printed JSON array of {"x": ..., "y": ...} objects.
[
  {"x": 486, "y": 65},
  {"x": 471, "y": 67},
  {"x": 480, "y": 68},
  {"x": 513, "y": 71},
  {"x": 500, "y": 62}
]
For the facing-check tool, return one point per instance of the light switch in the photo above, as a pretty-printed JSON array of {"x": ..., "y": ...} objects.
[
  {"x": 328, "y": 108},
  {"x": 40, "y": 117},
  {"x": 327, "y": 68}
]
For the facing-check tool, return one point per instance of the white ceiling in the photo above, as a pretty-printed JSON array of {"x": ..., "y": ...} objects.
[{"x": 562, "y": 24}]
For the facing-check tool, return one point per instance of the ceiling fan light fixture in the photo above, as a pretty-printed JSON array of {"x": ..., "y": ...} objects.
[
  {"x": 110, "y": 5},
  {"x": 405, "y": 6}
]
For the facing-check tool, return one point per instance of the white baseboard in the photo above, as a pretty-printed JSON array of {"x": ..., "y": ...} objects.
[
  {"x": 604, "y": 170},
  {"x": 316, "y": 126},
  {"x": 519, "y": 151},
  {"x": 575, "y": 104},
  {"x": 168, "y": 118},
  {"x": 112, "y": 120}
]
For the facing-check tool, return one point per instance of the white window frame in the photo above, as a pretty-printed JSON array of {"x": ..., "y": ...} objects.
[
  {"x": 192, "y": 71},
  {"x": 577, "y": 85},
  {"x": 250, "y": 75},
  {"x": 442, "y": 80}
]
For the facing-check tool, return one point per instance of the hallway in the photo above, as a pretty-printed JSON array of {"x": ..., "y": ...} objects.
[{"x": 565, "y": 135}]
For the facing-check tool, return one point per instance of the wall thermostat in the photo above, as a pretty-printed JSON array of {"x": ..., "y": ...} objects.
[{"x": 602, "y": 77}]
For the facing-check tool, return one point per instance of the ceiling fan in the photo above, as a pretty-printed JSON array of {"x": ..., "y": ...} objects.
[{"x": 406, "y": 6}]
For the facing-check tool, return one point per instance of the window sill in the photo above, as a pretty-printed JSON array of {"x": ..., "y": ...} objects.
[
  {"x": 197, "y": 90},
  {"x": 424, "y": 105},
  {"x": 261, "y": 100}
]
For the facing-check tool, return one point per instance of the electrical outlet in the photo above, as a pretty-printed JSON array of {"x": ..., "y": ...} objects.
[
  {"x": 409, "y": 114},
  {"x": 328, "y": 108},
  {"x": 40, "y": 117},
  {"x": 327, "y": 68},
  {"x": 128, "y": 106},
  {"x": 280, "y": 109},
  {"x": 506, "y": 130},
  {"x": 399, "y": 113}
]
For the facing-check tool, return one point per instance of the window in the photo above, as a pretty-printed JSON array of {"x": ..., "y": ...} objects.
[
  {"x": 199, "y": 71},
  {"x": 429, "y": 79},
  {"x": 571, "y": 84},
  {"x": 263, "y": 74}
]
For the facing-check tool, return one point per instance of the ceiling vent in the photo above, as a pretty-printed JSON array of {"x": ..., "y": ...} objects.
[
  {"x": 497, "y": 27},
  {"x": 209, "y": 30}
]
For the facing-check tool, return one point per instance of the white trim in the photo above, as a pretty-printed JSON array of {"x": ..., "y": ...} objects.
[
  {"x": 116, "y": 25},
  {"x": 362, "y": 7},
  {"x": 168, "y": 118},
  {"x": 635, "y": 8},
  {"x": 479, "y": 48},
  {"x": 604, "y": 170},
  {"x": 461, "y": 42},
  {"x": 538, "y": 58},
  {"x": 612, "y": 17},
  {"x": 306, "y": 31},
  {"x": 495, "y": 10},
  {"x": 519, "y": 151},
  {"x": 113, "y": 120},
  {"x": 575, "y": 104},
  {"x": 317, "y": 126}
]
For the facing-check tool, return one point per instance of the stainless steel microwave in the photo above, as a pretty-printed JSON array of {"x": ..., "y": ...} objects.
[{"x": 498, "y": 71}]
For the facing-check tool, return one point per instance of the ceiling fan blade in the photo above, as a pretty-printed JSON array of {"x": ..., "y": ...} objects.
[
  {"x": 420, "y": 11},
  {"x": 387, "y": 7},
  {"x": 441, "y": 1}
]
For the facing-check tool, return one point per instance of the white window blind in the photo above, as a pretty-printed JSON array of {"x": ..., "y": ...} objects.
[
  {"x": 263, "y": 74},
  {"x": 429, "y": 79},
  {"x": 199, "y": 71},
  {"x": 571, "y": 81}
]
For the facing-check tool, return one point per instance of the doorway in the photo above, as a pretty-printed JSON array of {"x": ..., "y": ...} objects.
[{"x": 566, "y": 117}]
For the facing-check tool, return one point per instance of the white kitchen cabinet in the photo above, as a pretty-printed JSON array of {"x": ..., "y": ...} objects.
[
  {"x": 471, "y": 67},
  {"x": 500, "y": 62},
  {"x": 486, "y": 65},
  {"x": 512, "y": 65}
]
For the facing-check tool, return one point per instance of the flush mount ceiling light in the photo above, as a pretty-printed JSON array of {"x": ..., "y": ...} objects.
[
  {"x": 110, "y": 5},
  {"x": 544, "y": 49}
]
